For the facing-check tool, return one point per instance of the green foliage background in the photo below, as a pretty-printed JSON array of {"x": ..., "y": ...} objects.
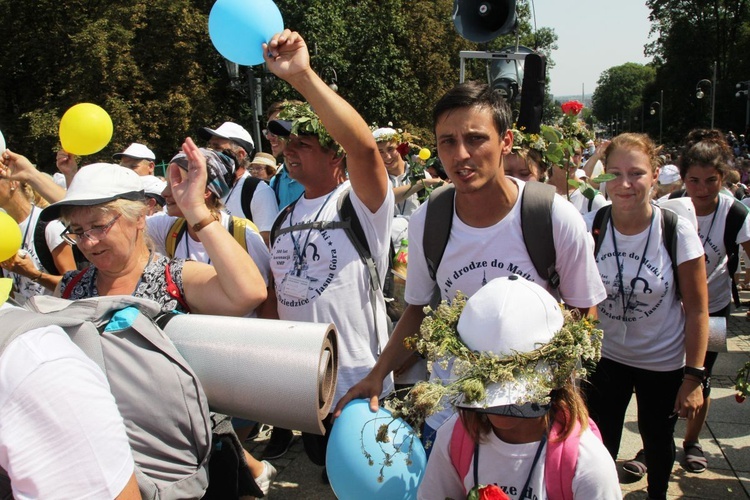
[
  {"x": 152, "y": 66},
  {"x": 687, "y": 37}
]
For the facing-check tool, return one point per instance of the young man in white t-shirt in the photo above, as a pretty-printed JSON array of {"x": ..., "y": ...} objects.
[
  {"x": 318, "y": 273},
  {"x": 472, "y": 126}
]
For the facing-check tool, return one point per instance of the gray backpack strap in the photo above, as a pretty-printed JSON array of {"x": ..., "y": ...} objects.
[
  {"x": 536, "y": 226},
  {"x": 437, "y": 226}
]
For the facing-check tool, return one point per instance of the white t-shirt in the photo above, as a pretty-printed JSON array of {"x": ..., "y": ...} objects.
[
  {"x": 24, "y": 286},
  {"x": 719, "y": 281},
  {"x": 508, "y": 466},
  {"x": 263, "y": 204},
  {"x": 61, "y": 435},
  {"x": 59, "y": 179},
  {"x": 652, "y": 336},
  {"x": 187, "y": 248},
  {"x": 331, "y": 283},
  {"x": 410, "y": 204},
  {"x": 582, "y": 203},
  {"x": 474, "y": 256}
]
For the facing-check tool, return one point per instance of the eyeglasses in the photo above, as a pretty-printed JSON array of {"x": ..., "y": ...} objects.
[
  {"x": 268, "y": 134},
  {"x": 257, "y": 169},
  {"x": 96, "y": 233}
]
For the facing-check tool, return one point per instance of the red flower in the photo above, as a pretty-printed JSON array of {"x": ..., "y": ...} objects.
[
  {"x": 572, "y": 108},
  {"x": 403, "y": 149},
  {"x": 492, "y": 492},
  {"x": 739, "y": 398}
]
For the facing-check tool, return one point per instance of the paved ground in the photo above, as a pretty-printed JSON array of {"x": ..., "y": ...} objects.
[{"x": 725, "y": 439}]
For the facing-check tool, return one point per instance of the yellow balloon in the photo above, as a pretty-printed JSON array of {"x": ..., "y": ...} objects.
[
  {"x": 10, "y": 237},
  {"x": 85, "y": 129},
  {"x": 424, "y": 154}
]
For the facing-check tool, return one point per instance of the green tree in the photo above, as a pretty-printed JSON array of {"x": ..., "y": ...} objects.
[
  {"x": 689, "y": 35},
  {"x": 152, "y": 66},
  {"x": 619, "y": 91}
]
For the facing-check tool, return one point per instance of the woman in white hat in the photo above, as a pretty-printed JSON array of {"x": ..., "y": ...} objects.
[{"x": 104, "y": 211}]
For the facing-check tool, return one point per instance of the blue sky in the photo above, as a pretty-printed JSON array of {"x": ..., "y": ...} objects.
[{"x": 593, "y": 35}]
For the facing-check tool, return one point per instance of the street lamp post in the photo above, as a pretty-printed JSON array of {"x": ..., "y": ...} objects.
[
  {"x": 743, "y": 88},
  {"x": 652, "y": 111},
  {"x": 700, "y": 93},
  {"x": 251, "y": 89}
]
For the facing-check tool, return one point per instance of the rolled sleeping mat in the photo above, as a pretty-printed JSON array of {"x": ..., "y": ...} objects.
[
  {"x": 281, "y": 373},
  {"x": 717, "y": 334}
]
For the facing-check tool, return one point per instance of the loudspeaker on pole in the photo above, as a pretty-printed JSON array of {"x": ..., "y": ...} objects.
[{"x": 482, "y": 21}]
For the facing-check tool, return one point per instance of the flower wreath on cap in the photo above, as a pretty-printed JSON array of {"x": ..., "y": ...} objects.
[
  {"x": 306, "y": 122},
  {"x": 573, "y": 350}
]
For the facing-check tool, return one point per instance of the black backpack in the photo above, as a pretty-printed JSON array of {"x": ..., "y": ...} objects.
[
  {"x": 735, "y": 219},
  {"x": 536, "y": 226},
  {"x": 246, "y": 196}
]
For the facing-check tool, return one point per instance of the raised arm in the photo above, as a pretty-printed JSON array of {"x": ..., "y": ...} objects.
[
  {"x": 18, "y": 168},
  {"x": 232, "y": 285},
  {"x": 287, "y": 57}
]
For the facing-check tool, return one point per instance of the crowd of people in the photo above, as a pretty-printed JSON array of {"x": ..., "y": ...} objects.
[{"x": 309, "y": 233}]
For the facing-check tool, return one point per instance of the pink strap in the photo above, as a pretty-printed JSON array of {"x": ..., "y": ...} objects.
[
  {"x": 559, "y": 463},
  {"x": 461, "y": 450}
]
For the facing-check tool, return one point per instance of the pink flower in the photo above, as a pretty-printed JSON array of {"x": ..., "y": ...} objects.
[{"x": 572, "y": 108}]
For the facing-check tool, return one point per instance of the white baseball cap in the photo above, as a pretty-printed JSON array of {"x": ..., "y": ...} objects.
[
  {"x": 136, "y": 150},
  {"x": 668, "y": 174},
  {"x": 231, "y": 131},
  {"x": 97, "y": 184},
  {"x": 153, "y": 187},
  {"x": 510, "y": 315}
]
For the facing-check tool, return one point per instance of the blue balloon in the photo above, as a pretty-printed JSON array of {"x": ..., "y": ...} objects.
[
  {"x": 238, "y": 28},
  {"x": 350, "y": 471}
]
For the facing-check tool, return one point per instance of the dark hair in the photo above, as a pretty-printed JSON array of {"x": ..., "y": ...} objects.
[
  {"x": 638, "y": 142},
  {"x": 706, "y": 147},
  {"x": 474, "y": 94},
  {"x": 567, "y": 406}
]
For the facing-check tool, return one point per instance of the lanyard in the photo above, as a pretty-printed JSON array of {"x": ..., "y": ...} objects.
[
  {"x": 626, "y": 303},
  {"x": 525, "y": 489},
  {"x": 299, "y": 255},
  {"x": 710, "y": 227},
  {"x": 25, "y": 244}
]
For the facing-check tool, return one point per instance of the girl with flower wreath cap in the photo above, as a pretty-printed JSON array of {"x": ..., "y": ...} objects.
[{"x": 520, "y": 413}]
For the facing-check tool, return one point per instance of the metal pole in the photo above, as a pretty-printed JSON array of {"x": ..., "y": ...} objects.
[
  {"x": 258, "y": 111},
  {"x": 643, "y": 115},
  {"x": 661, "y": 113},
  {"x": 713, "y": 96}
]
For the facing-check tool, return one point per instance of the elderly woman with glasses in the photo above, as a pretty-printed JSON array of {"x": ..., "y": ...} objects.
[{"x": 104, "y": 210}]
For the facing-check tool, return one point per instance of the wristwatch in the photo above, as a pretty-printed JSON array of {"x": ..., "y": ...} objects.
[
  {"x": 205, "y": 222},
  {"x": 694, "y": 372}
]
